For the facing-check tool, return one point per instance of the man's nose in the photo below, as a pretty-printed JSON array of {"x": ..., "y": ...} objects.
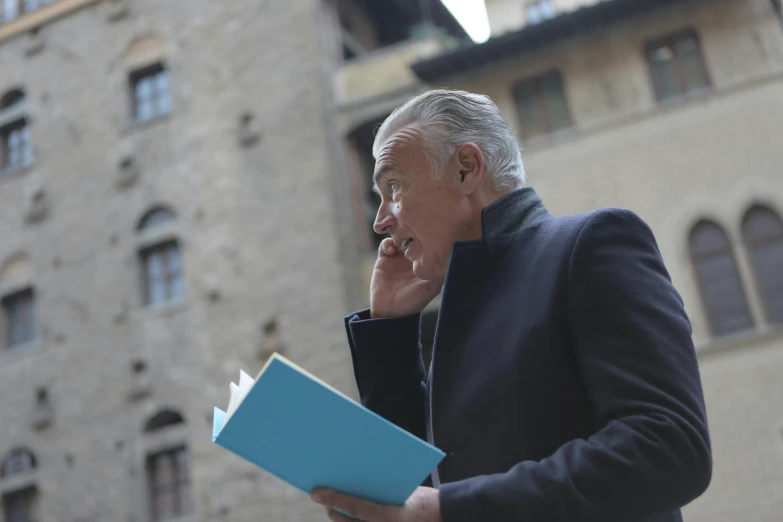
[{"x": 384, "y": 220}]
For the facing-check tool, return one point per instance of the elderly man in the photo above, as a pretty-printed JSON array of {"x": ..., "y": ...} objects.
[{"x": 564, "y": 385}]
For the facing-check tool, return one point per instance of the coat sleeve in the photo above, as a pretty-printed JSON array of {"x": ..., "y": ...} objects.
[
  {"x": 632, "y": 339},
  {"x": 388, "y": 368}
]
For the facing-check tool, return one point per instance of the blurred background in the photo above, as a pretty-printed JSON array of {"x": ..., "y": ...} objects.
[{"x": 185, "y": 189}]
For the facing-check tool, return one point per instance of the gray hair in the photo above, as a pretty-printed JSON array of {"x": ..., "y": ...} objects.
[{"x": 449, "y": 119}]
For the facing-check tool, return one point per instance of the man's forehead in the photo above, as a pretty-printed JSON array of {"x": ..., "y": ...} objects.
[
  {"x": 394, "y": 150},
  {"x": 404, "y": 138}
]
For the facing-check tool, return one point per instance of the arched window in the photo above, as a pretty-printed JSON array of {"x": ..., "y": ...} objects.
[
  {"x": 19, "y": 460},
  {"x": 11, "y": 98},
  {"x": 161, "y": 262},
  {"x": 163, "y": 419},
  {"x": 156, "y": 217},
  {"x": 762, "y": 232},
  {"x": 20, "y": 503},
  {"x": 719, "y": 280},
  {"x": 148, "y": 77},
  {"x": 15, "y": 145},
  {"x": 168, "y": 473}
]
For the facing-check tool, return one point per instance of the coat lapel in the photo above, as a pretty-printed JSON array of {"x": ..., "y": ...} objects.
[{"x": 469, "y": 278}]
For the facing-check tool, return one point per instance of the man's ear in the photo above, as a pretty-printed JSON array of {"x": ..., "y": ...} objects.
[{"x": 470, "y": 165}]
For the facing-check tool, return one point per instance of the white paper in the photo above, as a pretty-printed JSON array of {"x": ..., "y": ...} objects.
[{"x": 238, "y": 393}]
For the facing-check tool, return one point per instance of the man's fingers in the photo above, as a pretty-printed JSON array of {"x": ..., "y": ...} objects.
[
  {"x": 387, "y": 247},
  {"x": 334, "y": 516},
  {"x": 357, "y": 508}
]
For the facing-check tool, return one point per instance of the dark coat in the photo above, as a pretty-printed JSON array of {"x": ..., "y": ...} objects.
[{"x": 564, "y": 385}]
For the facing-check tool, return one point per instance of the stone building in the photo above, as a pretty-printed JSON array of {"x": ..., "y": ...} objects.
[
  {"x": 168, "y": 178},
  {"x": 671, "y": 108},
  {"x": 184, "y": 190}
]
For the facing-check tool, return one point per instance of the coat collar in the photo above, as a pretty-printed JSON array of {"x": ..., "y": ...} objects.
[{"x": 511, "y": 213}]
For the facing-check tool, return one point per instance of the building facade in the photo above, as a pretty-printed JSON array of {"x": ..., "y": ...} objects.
[
  {"x": 674, "y": 110},
  {"x": 184, "y": 189},
  {"x": 167, "y": 217}
]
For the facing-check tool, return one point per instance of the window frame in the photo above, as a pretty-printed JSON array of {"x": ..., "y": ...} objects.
[
  {"x": 135, "y": 77},
  {"x": 22, "y": 9},
  {"x": 669, "y": 41},
  {"x": 25, "y": 495},
  {"x": 537, "y": 6},
  {"x": 169, "y": 277},
  {"x": 14, "y": 119},
  {"x": 179, "y": 484},
  {"x": 772, "y": 314},
  {"x": 540, "y": 103},
  {"x": 163, "y": 419},
  {"x": 728, "y": 250},
  {"x": 25, "y": 147},
  {"x": 156, "y": 217},
  {"x": 8, "y": 303},
  {"x": 26, "y": 456}
]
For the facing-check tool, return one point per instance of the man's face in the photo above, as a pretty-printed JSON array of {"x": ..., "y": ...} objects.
[{"x": 424, "y": 216}]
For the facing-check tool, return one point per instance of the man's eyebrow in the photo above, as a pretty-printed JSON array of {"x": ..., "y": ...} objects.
[{"x": 379, "y": 174}]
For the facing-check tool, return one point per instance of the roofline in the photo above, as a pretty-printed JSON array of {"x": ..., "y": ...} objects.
[{"x": 587, "y": 20}]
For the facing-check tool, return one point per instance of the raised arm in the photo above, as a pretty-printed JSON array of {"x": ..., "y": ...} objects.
[{"x": 388, "y": 368}]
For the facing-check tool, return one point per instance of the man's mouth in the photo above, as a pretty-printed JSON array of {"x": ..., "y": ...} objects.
[{"x": 405, "y": 244}]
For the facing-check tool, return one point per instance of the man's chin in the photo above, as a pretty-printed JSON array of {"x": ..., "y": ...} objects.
[
  {"x": 421, "y": 271},
  {"x": 418, "y": 270}
]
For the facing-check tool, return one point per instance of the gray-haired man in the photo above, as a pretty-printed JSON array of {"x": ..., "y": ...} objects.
[{"x": 564, "y": 385}]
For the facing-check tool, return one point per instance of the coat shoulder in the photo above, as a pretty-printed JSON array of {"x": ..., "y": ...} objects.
[
  {"x": 594, "y": 221},
  {"x": 563, "y": 233}
]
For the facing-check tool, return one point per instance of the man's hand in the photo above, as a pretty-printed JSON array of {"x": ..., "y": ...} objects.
[
  {"x": 395, "y": 291},
  {"x": 422, "y": 506}
]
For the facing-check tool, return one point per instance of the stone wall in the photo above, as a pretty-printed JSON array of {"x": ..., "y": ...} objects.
[{"x": 256, "y": 219}]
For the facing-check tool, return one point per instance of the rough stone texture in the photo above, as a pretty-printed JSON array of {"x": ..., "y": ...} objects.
[{"x": 258, "y": 224}]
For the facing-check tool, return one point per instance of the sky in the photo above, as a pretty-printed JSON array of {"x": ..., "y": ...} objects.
[{"x": 472, "y": 14}]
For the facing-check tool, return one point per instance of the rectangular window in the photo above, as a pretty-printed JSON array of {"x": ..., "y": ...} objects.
[
  {"x": 163, "y": 276},
  {"x": 18, "y": 506},
  {"x": 12, "y": 9},
  {"x": 19, "y": 311},
  {"x": 16, "y": 148},
  {"x": 677, "y": 65},
  {"x": 541, "y": 105},
  {"x": 539, "y": 10},
  {"x": 19, "y": 461},
  {"x": 150, "y": 93},
  {"x": 169, "y": 484}
]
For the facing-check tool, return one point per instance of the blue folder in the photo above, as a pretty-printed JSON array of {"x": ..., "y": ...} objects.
[{"x": 310, "y": 435}]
